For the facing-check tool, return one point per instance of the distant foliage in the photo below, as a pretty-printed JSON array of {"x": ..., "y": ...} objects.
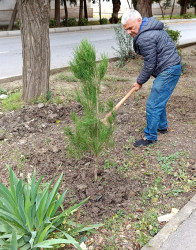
[
  {"x": 188, "y": 16},
  {"x": 72, "y": 22},
  {"x": 83, "y": 22},
  {"x": 52, "y": 23},
  {"x": 125, "y": 45},
  {"x": 103, "y": 21}
]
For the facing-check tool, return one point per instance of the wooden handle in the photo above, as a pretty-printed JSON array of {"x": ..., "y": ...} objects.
[{"x": 119, "y": 104}]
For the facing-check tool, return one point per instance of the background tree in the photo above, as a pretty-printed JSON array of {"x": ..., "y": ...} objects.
[
  {"x": 64, "y": 2},
  {"x": 57, "y": 15},
  {"x": 13, "y": 18},
  {"x": 184, "y": 6},
  {"x": 34, "y": 25},
  {"x": 193, "y": 4},
  {"x": 81, "y": 9},
  {"x": 174, "y": 1},
  {"x": 116, "y": 8},
  {"x": 144, "y": 7},
  {"x": 163, "y": 6}
]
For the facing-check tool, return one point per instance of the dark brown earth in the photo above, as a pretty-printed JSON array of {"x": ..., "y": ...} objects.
[{"x": 33, "y": 138}]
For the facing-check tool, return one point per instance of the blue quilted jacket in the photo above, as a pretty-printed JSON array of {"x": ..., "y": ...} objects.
[{"x": 157, "y": 48}]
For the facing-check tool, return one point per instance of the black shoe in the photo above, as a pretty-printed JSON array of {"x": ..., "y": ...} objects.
[
  {"x": 163, "y": 131},
  {"x": 143, "y": 142}
]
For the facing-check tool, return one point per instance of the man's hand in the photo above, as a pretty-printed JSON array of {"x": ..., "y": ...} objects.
[{"x": 137, "y": 86}]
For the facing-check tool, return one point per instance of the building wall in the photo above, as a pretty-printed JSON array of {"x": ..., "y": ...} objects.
[
  {"x": 106, "y": 8},
  {"x": 7, "y": 6}
]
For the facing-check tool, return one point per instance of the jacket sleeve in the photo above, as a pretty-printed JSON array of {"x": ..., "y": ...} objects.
[{"x": 148, "y": 50}]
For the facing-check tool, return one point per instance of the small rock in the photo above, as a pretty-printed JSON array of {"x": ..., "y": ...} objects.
[
  {"x": 40, "y": 105},
  {"x": 55, "y": 149},
  {"x": 3, "y": 96},
  {"x": 81, "y": 187},
  {"x": 100, "y": 240},
  {"x": 52, "y": 117},
  {"x": 2, "y": 137}
]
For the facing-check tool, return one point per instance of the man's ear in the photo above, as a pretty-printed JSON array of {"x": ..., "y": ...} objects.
[{"x": 139, "y": 20}]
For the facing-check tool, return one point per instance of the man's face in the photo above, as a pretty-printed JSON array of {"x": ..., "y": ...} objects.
[{"x": 132, "y": 26}]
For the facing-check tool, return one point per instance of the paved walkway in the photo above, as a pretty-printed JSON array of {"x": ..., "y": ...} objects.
[{"x": 179, "y": 233}]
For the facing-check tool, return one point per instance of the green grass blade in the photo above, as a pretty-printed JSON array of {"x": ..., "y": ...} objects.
[
  {"x": 52, "y": 195},
  {"x": 50, "y": 243},
  {"x": 58, "y": 203}
]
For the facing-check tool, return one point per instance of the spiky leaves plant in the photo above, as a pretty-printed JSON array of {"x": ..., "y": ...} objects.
[
  {"x": 32, "y": 217},
  {"x": 89, "y": 134}
]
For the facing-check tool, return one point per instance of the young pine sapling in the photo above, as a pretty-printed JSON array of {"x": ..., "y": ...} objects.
[{"x": 90, "y": 134}]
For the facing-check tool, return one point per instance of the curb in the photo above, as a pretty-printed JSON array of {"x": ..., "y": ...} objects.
[
  {"x": 156, "y": 242},
  {"x": 52, "y": 72},
  {"x": 83, "y": 28}
]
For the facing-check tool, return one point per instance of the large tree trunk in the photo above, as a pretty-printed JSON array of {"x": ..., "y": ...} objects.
[
  {"x": 34, "y": 23},
  {"x": 184, "y": 5},
  {"x": 57, "y": 13},
  {"x": 116, "y": 8},
  {"x": 13, "y": 18},
  {"x": 144, "y": 7}
]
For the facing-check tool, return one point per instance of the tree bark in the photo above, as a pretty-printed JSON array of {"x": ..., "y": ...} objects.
[
  {"x": 13, "y": 18},
  {"x": 172, "y": 10},
  {"x": 162, "y": 12},
  {"x": 57, "y": 13},
  {"x": 66, "y": 12},
  {"x": 144, "y": 7},
  {"x": 184, "y": 5},
  {"x": 34, "y": 23},
  {"x": 116, "y": 8},
  {"x": 85, "y": 10},
  {"x": 81, "y": 11}
]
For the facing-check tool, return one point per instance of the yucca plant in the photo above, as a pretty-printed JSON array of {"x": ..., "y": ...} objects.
[
  {"x": 90, "y": 134},
  {"x": 34, "y": 218}
]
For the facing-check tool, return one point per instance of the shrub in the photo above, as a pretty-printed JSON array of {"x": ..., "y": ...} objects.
[
  {"x": 32, "y": 217},
  {"x": 52, "y": 23},
  {"x": 72, "y": 22},
  {"x": 188, "y": 16},
  {"x": 83, "y": 22},
  {"x": 174, "y": 34},
  {"x": 125, "y": 45},
  {"x": 103, "y": 21}
]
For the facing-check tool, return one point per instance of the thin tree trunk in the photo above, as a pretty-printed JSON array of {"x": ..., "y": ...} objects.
[
  {"x": 13, "y": 18},
  {"x": 161, "y": 10},
  {"x": 80, "y": 11},
  {"x": 57, "y": 13},
  {"x": 172, "y": 10},
  {"x": 129, "y": 4},
  {"x": 99, "y": 11},
  {"x": 66, "y": 12},
  {"x": 144, "y": 7},
  {"x": 85, "y": 10},
  {"x": 34, "y": 23}
]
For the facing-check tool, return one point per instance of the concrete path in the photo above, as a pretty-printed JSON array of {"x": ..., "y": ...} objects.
[{"x": 179, "y": 233}]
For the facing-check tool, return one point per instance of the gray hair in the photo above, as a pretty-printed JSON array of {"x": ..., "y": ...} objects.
[{"x": 130, "y": 14}]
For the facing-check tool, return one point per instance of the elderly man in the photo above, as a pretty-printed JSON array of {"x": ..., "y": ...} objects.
[{"x": 162, "y": 61}]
